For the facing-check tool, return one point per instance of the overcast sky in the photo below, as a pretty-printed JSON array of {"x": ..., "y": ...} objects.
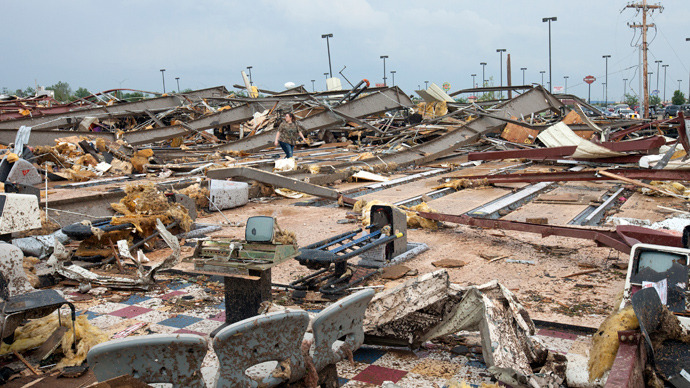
[{"x": 103, "y": 45}]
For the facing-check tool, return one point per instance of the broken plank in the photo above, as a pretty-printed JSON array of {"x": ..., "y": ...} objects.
[{"x": 581, "y": 273}]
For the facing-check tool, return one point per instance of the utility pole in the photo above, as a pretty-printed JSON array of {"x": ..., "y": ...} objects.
[
  {"x": 644, "y": 26},
  {"x": 606, "y": 80},
  {"x": 664, "y": 66}
]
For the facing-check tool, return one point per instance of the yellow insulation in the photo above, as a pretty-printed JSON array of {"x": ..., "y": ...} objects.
[
  {"x": 37, "y": 331},
  {"x": 605, "y": 341}
]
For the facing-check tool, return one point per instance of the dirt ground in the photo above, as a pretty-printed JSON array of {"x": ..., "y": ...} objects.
[{"x": 583, "y": 300}]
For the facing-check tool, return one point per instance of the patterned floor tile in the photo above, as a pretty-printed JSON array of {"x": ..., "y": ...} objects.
[
  {"x": 368, "y": 355},
  {"x": 185, "y": 331},
  {"x": 106, "y": 322},
  {"x": 436, "y": 368},
  {"x": 174, "y": 285},
  {"x": 399, "y": 359},
  {"x": 136, "y": 299},
  {"x": 155, "y": 328},
  {"x": 107, "y": 307},
  {"x": 130, "y": 312},
  {"x": 89, "y": 314},
  {"x": 348, "y": 370},
  {"x": 220, "y": 317},
  {"x": 153, "y": 316},
  {"x": 377, "y": 375},
  {"x": 359, "y": 384},
  {"x": 171, "y": 294},
  {"x": 180, "y": 321},
  {"x": 414, "y": 380},
  {"x": 204, "y": 326}
]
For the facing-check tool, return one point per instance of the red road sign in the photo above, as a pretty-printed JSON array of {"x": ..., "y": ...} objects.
[{"x": 589, "y": 79}]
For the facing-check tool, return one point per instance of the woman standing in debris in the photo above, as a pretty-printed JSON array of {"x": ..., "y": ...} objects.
[{"x": 286, "y": 135}]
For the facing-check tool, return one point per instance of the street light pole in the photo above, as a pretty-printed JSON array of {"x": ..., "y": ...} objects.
[
  {"x": 523, "y": 74},
  {"x": 542, "y": 77},
  {"x": 251, "y": 83},
  {"x": 474, "y": 85},
  {"x": 426, "y": 85},
  {"x": 679, "y": 84},
  {"x": 384, "y": 68},
  {"x": 602, "y": 92},
  {"x": 328, "y": 47},
  {"x": 483, "y": 73},
  {"x": 178, "y": 84},
  {"x": 393, "y": 75},
  {"x": 657, "y": 73},
  {"x": 606, "y": 81},
  {"x": 500, "y": 65},
  {"x": 163, "y": 75},
  {"x": 566, "y": 83},
  {"x": 687, "y": 39},
  {"x": 664, "y": 66},
  {"x": 625, "y": 87},
  {"x": 544, "y": 20},
  {"x": 313, "y": 89}
]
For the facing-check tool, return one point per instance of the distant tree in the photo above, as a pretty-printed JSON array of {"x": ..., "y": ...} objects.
[
  {"x": 188, "y": 90},
  {"x": 62, "y": 90},
  {"x": 134, "y": 96},
  {"x": 489, "y": 96},
  {"x": 5, "y": 91},
  {"x": 19, "y": 93},
  {"x": 81, "y": 93},
  {"x": 29, "y": 91},
  {"x": 630, "y": 99},
  {"x": 678, "y": 98},
  {"x": 462, "y": 100},
  {"x": 654, "y": 100}
]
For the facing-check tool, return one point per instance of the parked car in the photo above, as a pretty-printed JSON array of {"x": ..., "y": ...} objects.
[
  {"x": 671, "y": 111},
  {"x": 626, "y": 114}
]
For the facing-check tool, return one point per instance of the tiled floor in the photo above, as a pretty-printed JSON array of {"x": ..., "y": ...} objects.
[{"x": 427, "y": 367}]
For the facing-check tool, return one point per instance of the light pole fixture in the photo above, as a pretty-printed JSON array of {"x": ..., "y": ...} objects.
[
  {"x": 500, "y": 52},
  {"x": 625, "y": 87},
  {"x": 384, "y": 68},
  {"x": 474, "y": 85},
  {"x": 393, "y": 75},
  {"x": 328, "y": 47},
  {"x": 178, "y": 83},
  {"x": 542, "y": 77},
  {"x": 606, "y": 80},
  {"x": 163, "y": 75},
  {"x": 326, "y": 74},
  {"x": 523, "y": 74},
  {"x": 549, "y": 20},
  {"x": 313, "y": 88},
  {"x": 664, "y": 66},
  {"x": 426, "y": 85},
  {"x": 565, "y": 77},
  {"x": 657, "y": 73},
  {"x": 483, "y": 74}
]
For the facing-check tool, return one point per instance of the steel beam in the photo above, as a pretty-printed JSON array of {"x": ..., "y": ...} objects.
[
  {"x": 273, "y": 180},
  {"x": 226, "y": 117},
  {"x": 47, "y": 137},
  {"x": 644, "y": 144},
  {"x": 534, "y": 154},
  {"x": 573, "y": 176},
  {"x": 72, "y": 118},
  {"x": 374, "y": 103}
]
